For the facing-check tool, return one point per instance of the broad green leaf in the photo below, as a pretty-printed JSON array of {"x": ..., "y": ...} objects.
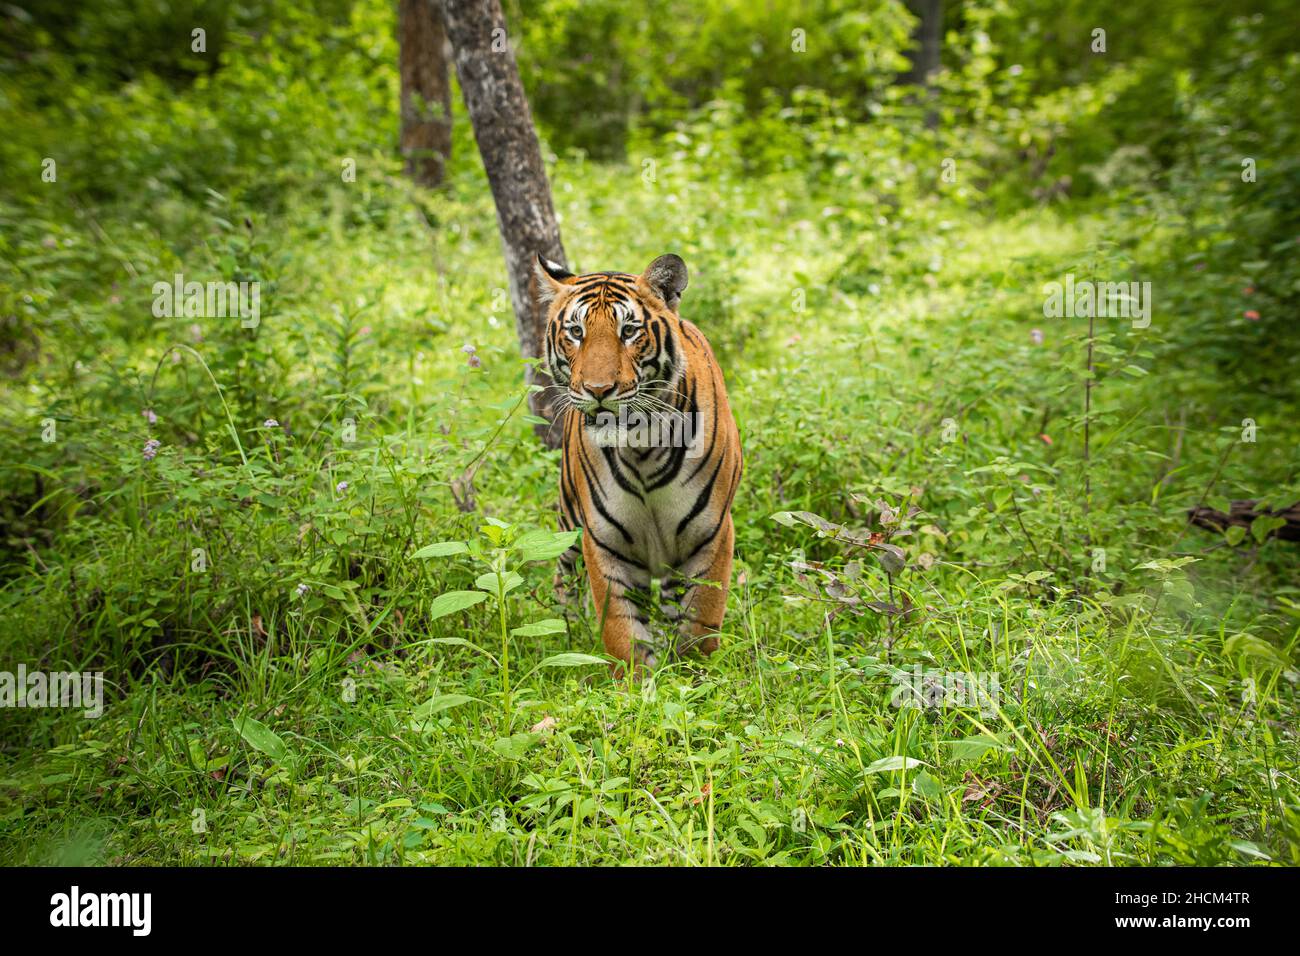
[
  {"x": 461, "y": 642},
  {"x": 1246, "y": 848},
  {"x": 972, "y": 748},
  {"x": 454, "y": 601},
  {"x": 897, "y": 762},
  {"x": 1219, "y": 503},
  {"x": 1262, "y": 527},
  {"x": 571, "y": 660},
  {"x": 550, "y": 625},
  {"x": 925, "y": 785},
  {"x": 1248, "y": 645},
  {"x": 1166, "y": 565},
  {"x": 261, "y": 737},
  {"x": 488, "y": 582},
  {"x": 516, "y": 746},
  {"x": 545, "y": 545},
  {"x": 441, "y": 549},
  {"x": 710, "y": 759}
]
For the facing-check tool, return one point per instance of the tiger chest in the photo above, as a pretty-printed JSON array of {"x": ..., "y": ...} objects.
[{"x": 649, "y": 502}]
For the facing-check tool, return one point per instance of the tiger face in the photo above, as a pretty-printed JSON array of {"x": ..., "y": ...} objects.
[{"x": 610, "y": 341}]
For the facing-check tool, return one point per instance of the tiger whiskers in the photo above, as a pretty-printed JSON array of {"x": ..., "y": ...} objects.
[
  {"x": 559, "y": 412},
  {"x": 668, "y": 388},
  {"x": 656, "y": 406}
]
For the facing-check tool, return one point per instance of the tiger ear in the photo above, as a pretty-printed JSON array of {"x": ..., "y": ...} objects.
[
  {"x": 666, "y": 278},
  {"x": 551, "y": 277}
]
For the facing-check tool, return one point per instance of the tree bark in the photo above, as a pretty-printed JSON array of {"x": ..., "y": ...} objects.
[
  {"x": 426, "y": 90},
  {"x": 926, "y": 41},
  {"x": 503, "y": 128},
  {"x": 1243, "y": 514}
]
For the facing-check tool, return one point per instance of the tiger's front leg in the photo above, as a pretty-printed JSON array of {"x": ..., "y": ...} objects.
[
  {"x": 620, "y": 593},
  {"x": 566, "y": 573},
  {"x": 698, "y": 608}
]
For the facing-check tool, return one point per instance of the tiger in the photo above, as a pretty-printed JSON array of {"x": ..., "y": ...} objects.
[{"x": 653, "y": 496}]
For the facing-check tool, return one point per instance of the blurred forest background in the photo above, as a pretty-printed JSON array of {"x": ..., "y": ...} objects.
[{"x": 871, "y": 198}]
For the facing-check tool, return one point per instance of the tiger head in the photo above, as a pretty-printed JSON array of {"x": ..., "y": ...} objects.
[{"x": 611, "y": 337}]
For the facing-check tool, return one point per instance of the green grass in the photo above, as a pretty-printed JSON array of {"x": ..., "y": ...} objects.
[{"x": 1146, "y": 706}]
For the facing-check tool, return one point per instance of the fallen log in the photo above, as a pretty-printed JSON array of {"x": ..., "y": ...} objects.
[{"x": 1243, "y": 514}]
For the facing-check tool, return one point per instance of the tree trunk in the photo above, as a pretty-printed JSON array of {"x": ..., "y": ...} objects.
[
  {"x": 503, "y": 127},
  {"x": 926, "y": 39},
  {"x": 1243, "y": 514},
  {"x": 426, "y": 90}
]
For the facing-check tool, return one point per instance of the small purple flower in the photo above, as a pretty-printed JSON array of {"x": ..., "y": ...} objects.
[
  {"x": 341, "y": 487},
  {"x": 196, "y": 332},
  {"x": 270, "y": 423},
  {"x": 468, "y": 349},
  {"x": 302, "y": 590},
  {"x": 474, "y": 361},
  {"x": 151, "y": 449},
  {"x": 1036, "y": 336},
  {"x": 149, "y": 416}
]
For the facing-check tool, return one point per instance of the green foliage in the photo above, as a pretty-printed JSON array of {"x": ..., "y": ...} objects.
[
  {"x": 323, "y": 600},
  {"x": 597, "y": 70}
]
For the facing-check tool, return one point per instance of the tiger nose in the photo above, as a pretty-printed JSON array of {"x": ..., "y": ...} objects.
[{"x": 600, "y": 390}]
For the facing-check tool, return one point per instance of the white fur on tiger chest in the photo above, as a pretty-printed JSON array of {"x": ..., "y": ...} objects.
[{"x": 650, "y": 511}]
